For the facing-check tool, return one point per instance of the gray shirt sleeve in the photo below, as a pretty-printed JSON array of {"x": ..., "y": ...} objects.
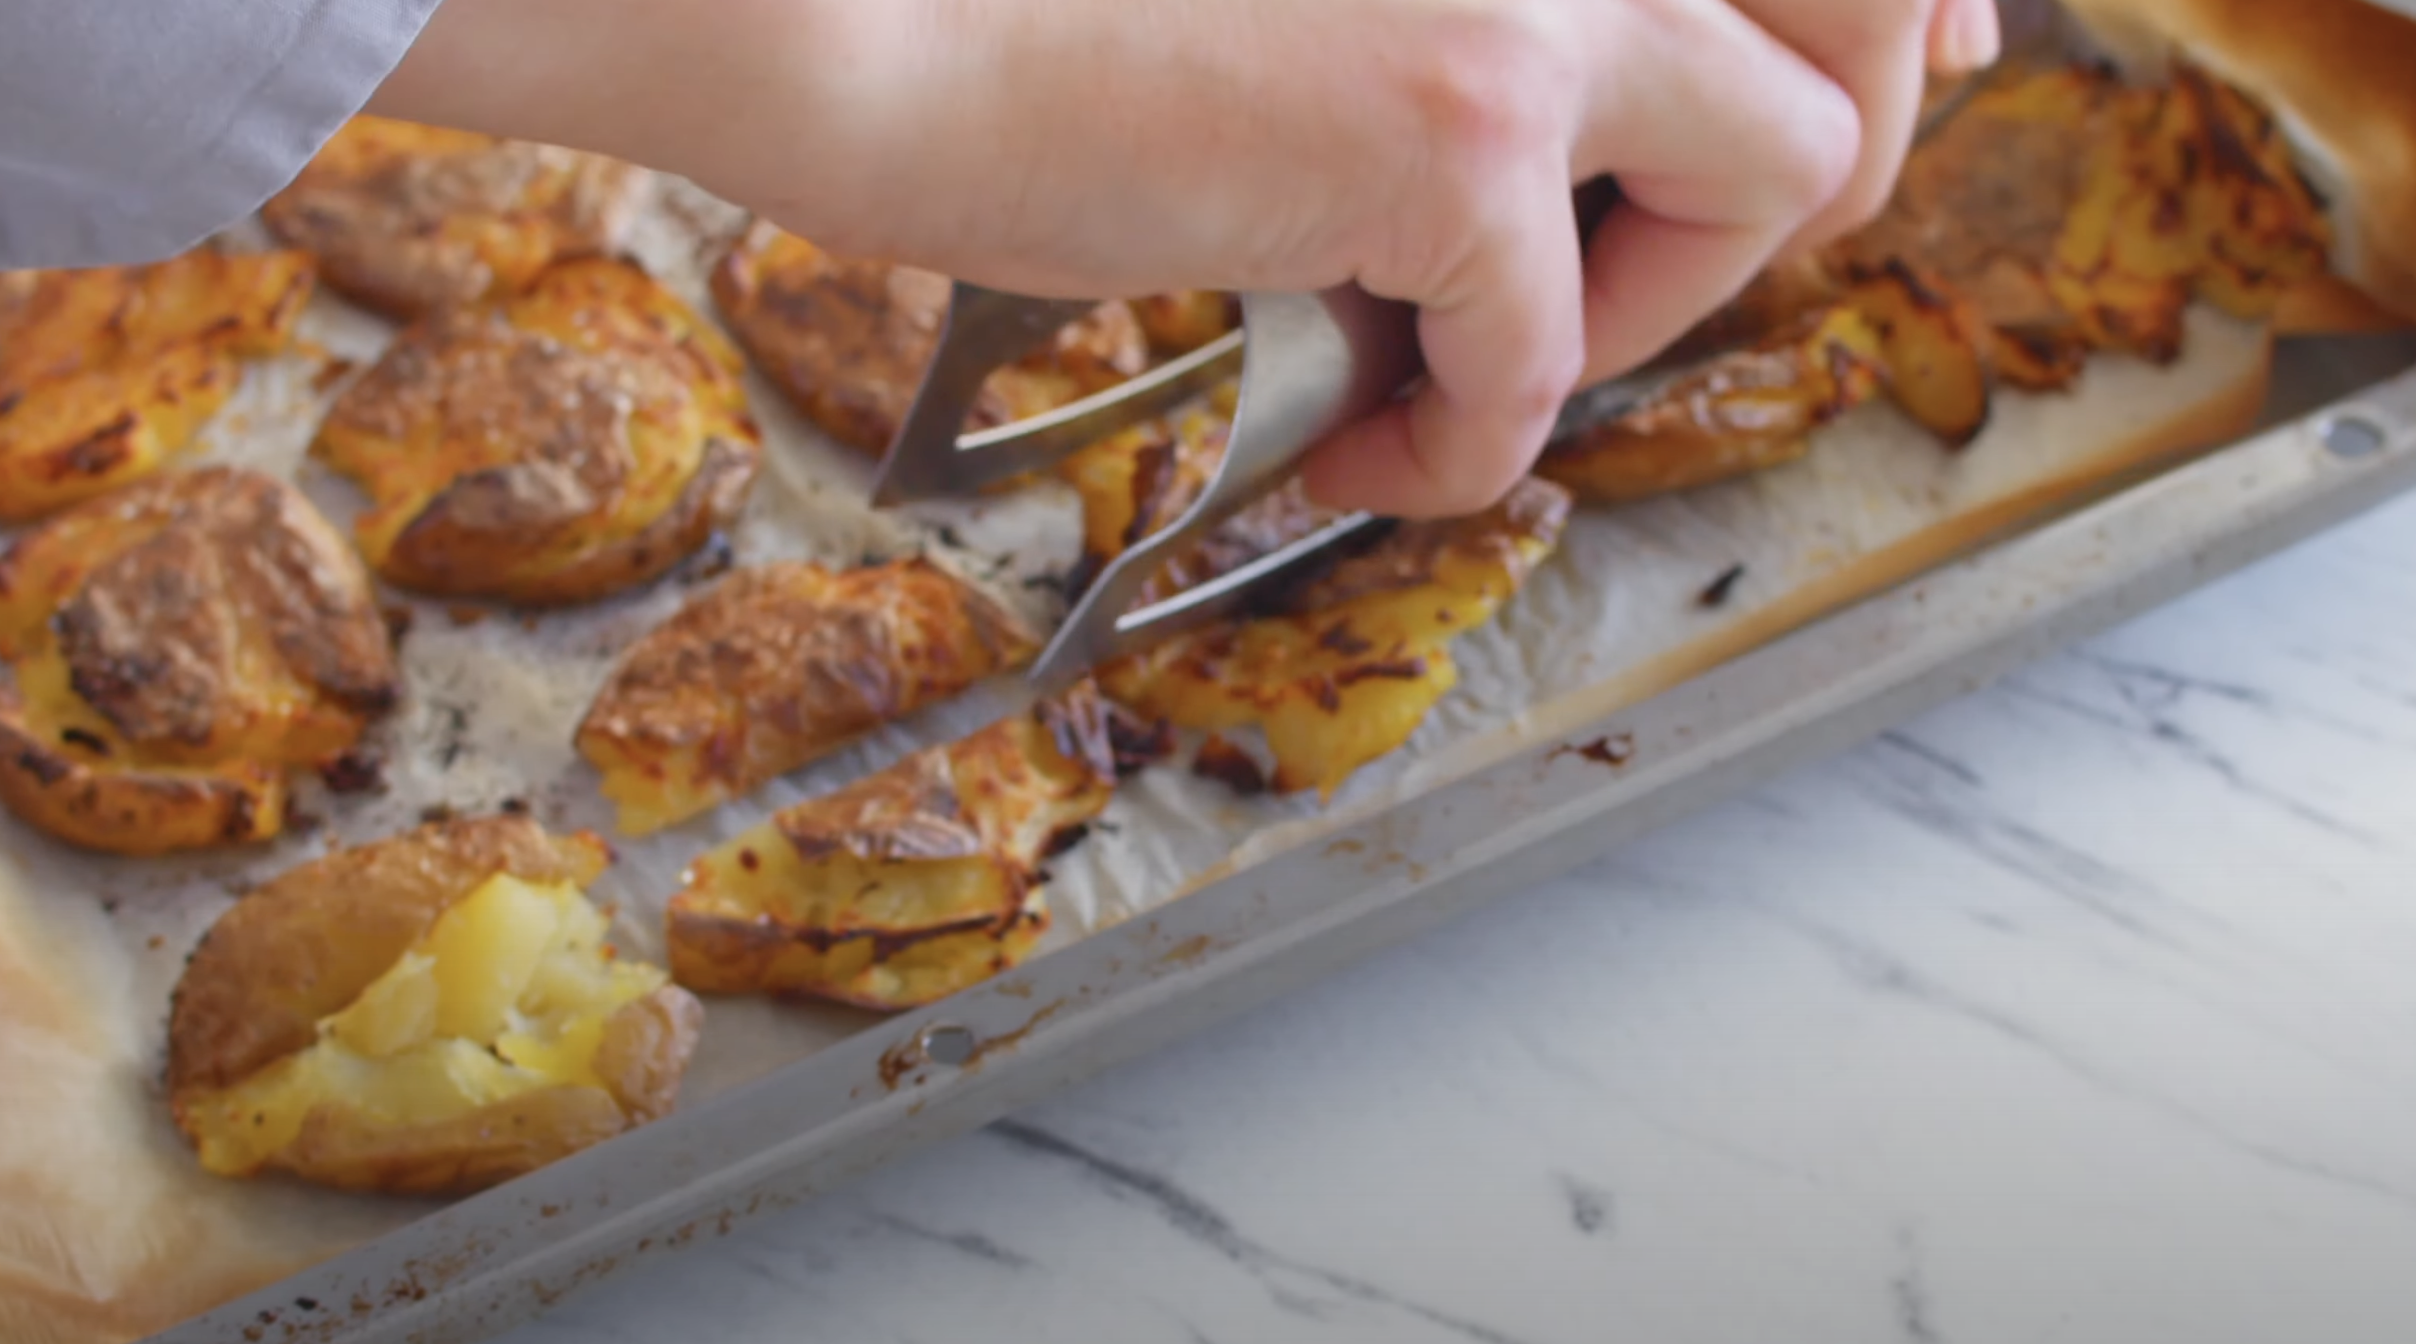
[{"x": 132, "y": 129}]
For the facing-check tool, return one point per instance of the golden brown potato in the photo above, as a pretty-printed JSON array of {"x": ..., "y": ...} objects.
[
  {"x": 910, "y": 884},
  {"x": 1933, "y": 347},
  {"x": 172, "y": 651},
  {"x": 848, "y": 340},
  {"x": 1142, "y": 480},
  {"x": 1735, "y": 413},
  {"x": 407, "y": 219},
  {"x": 1981, "y": 203},
  {"x": 1348, "y": 669},
  {"x": 577, "y": 439},
  {"x": 1177, "y": 324},
  {"x": 2056, "y": 213},
  {"x": 777, "y": 666},
  {"x": 429, "y": 1014},
  {"x": 2194, "y": 195},
  {"x": 107, "y": 373}
]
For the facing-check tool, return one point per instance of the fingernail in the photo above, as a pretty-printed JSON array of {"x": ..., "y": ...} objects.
[{"x": 1971, "y": 38}]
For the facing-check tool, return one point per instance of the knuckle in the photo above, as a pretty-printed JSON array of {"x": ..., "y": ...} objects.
[
  {"x": 1493, "y": 81},
  {"x": 1820, "y": 144}
]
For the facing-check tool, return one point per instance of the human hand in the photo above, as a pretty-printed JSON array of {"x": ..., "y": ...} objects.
[{"x": 1424, "y": 149}]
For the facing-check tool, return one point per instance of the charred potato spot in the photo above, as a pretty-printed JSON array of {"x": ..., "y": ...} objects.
[
  {"x": 777, "y": 666},
  {"x": 408, "y": 219},
  {"x": 1737, "y": 413},
  {"x": 1355, "y": 660},
  {"x": 910, "y": 884},
  {"x": 2057, "y": 213},
  {"x": 580, "y": 438},
  {"x": 106, "y": 374},
  {"x": 173, "y": 651},
  {"x": 1177, "y": 324},
  {"x": 433, "y": 1013},
  {"x": 1933, "y": 346},
  {"x": 1142, "y": 480},
  {"x": 848, "y": 340}
]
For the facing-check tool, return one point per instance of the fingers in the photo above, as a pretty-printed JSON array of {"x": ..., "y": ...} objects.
[
  {"x": 1878, "y": 51},
  {"x": 1504, "y": 343},
  {"x": 1964, "y": 35},
  {"x": 1765, "y": 142}
]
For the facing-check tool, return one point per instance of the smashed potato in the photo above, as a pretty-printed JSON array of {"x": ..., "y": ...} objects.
[
  {"x": 172, "y": 651},
  {"x": 1140, "y": 481},
  {"x": 406, "y": 219},
  {"x": 574, "y": 440},
  {"x": 2195, "y": 195},
  {"x": 430, "y": 1014},
  {"x": 2056, "y": 213},
  {"x": 848, "y": 340},
  {"x": 1177, "y": 324},
  {"x": 1733, "y": 414},
  {"x": 105, "y": 374},
  {"x": 911, "y": 884},
  {"x": 1352, "y": 663},
  {"x": 1933, "y": 348},
  {"x": 777, "y": 666}
]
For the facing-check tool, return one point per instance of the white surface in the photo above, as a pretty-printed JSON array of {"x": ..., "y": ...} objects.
[{"x": 2083, "y": 1010}]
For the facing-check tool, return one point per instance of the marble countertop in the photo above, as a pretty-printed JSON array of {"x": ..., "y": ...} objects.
[{"x": 2082, "y": 1010}]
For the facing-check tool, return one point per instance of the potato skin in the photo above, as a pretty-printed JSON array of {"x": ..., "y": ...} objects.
[
  {"x": 408, "y": 219},
  {"x": 576, "y": 440},
  {"x": 2058, "y": 213},
  {"x": 848, "y": 340},
  {"x": 778, "y": 665},
  {"x": 912, "y": 883},
  {"x": 340, "y": 1148},
  {"x": 140, "y": 815},
  {"x": 108, "y": 373},
  {"x": 305, "y": 946},
  {"x": 171, "y": 650},
  {"x": 1736, "y": 413},
  {"x": 1342, "y": 669}
]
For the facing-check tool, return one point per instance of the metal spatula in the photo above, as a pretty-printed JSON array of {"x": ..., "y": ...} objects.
[{"x": 1310, "y": 364}]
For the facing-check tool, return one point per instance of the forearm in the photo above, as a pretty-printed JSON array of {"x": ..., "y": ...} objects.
[{"x": 693, "y": 89}]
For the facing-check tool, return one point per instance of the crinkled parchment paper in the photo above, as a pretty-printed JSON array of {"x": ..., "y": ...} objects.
[{"x": 491, "y": 704}]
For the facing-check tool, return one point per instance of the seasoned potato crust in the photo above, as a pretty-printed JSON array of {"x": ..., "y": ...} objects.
[
  {"x": 777, "y": 666},
  {"x": 910, "y": 884},
  {"x": 1732, "y": 414},
  {"x": 107, "y": 373},
  {"x": 1136, "y": 483},
  {"x": 429, "y": 1014},
  {"x": 1349, "y": 666},
  {"x": 848, "y": 340},
  {"x": 172, "y": 650},
  {"x": 575, "y": 440},
  {"x": 2057, "y": 214},
  {"x": 407, "y": 219}
]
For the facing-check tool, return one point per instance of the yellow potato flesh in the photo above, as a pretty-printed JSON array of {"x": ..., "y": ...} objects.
[{"x": 506, "y": 994}]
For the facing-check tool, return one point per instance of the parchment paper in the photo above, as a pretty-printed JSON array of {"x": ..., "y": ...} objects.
[{"x": 491, "y": 703}]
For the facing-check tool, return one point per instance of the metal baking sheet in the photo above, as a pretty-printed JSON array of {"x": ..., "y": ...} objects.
[{"x": 484, "y": 1264}]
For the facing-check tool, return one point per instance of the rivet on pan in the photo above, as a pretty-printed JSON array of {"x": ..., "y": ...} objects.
[
  {"x": 2353, "y": 435},
  {"x": 947, "y": 1045}
]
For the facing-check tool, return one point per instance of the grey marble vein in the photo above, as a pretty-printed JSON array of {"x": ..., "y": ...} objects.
[
  {"x": 1591, "y": 1208},
  {"x": 971, "y": 1244},
  {"x": 2149, "y": 726},
  {"x": 1956, "y": 815},
  {"x": 1194, "y": 1218},
  {"x": 1909, "y": 1293},
  {"x": 1883, "y": 974}
]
